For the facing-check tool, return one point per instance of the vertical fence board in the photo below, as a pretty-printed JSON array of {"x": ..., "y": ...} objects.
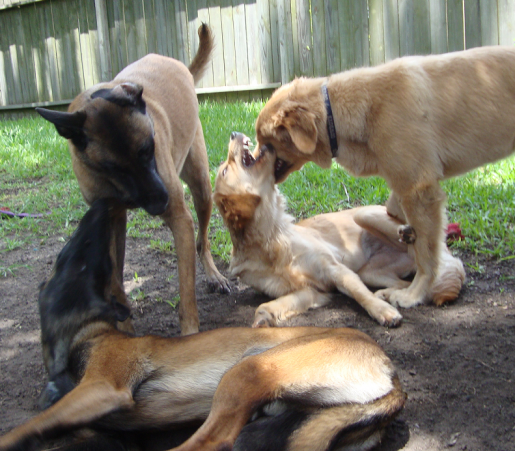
[
  {"x": 119, "y": 54},
  {"x": 24, "y": 57},
  {"x": 406, "y": 27},
  {"x": 51, "y": 48},
  {"x": 203, "y": 15},
  {"x": 38, "y": 53},
  {"x": 489, "y": 22},
  {"x": 391, "y": 30},
  {"x": 181, "y": 27},
  {"x": 240, "y": 46},
  {"x": 253, "y": 47},
  {"x": 150, "y": 26},
  {"x": 215, "y": 22},
  {"x": 304, "y": 38},
  {"x": 332, "y": 37},
  {"x": 274, "y": 34},
  {"x": 7, "y": 74},
  {"x": 455, "y": 25},
  {"x": 472, "y": 23},
  {"x": 377, "y": 27},
  {"x": 285, "y": 40},
  {"x": 506, "y": 22},
  {"x": 438, "y": 24},
  {"x": 421, "y": 27},
  {"x": 265, "y": 41},
  {"x": 228, "y": 42},
  {"x": 319, "y": 54},
  {"x": 362, "y": 34},
  {"x": 294, "y": 36}
]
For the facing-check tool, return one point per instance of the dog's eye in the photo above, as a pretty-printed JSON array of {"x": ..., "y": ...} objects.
[
  {"x": 146, "y": 152},
  {"x": 224, "y": 171}
]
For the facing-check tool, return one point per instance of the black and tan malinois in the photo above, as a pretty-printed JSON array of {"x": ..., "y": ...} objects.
[
  {"x": 132, "y": 139},
  {"x": 303, "y": 388}
]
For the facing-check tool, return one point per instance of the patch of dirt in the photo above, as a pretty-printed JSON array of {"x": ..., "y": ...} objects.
[{"x": 457, "y": 363}]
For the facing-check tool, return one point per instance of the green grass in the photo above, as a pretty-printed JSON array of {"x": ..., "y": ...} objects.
[{"x": 36, "y": 177}]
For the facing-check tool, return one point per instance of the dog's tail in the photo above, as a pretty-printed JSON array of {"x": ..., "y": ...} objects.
[
  {"x": 205, "y": 49},
  {"x": 449, "y": 279}
]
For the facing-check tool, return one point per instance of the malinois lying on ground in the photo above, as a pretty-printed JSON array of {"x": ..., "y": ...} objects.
[
  {"x": 301, "y": 263},
  {"x": 413, "y": 121},
  {"x": 255, "y": 389},
  {"x": 132, "y": 140}
]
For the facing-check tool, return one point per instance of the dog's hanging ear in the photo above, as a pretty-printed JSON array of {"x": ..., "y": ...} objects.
[
  {"x": 68, "y": 125},
  {"x": 124, "y": 94},
  {"x": 237, "y": 209},
  {"x": 300, "y": 125}
]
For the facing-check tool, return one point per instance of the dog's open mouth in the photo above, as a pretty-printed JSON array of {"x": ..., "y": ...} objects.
[{"x": 280, "y": 169}]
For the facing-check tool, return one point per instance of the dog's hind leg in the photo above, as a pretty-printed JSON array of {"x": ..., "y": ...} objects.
[
  {"x": 424, "y": 209},
  {"x": 195, "y": 173},
  {"x": 357, "y": 427},
  {"x": 88, "y": 402},
  {"x": 118, "y": 220},
  {"x": 324, "y": 369}
]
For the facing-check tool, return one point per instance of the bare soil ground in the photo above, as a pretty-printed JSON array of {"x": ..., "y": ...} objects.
[{"x": 457, "y": 363}]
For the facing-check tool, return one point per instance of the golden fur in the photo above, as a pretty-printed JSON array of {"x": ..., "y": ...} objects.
[
  {"x": 132, "y": 140},
  {"x": 413, "y": 121},
  {"x": 334, "y": 386},
  {"x": 301, "y": 263}
]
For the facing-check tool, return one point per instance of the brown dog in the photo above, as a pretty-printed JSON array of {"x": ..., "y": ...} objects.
[
  {"x": 301, "y": 263},
  {"x": 257, "y": 389},
  {"x": 132, "y": 140},
  {"x": 413, "y": 121}
]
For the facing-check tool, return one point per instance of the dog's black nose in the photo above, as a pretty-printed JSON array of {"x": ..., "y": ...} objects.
[{"x": 233, "y": 135}]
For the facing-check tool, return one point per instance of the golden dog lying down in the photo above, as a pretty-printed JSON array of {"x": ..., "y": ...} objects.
[
  {"x": 412, "y": 121},
  {"x": 284, "y": 389},
  {"x": 301, "y": 263}
]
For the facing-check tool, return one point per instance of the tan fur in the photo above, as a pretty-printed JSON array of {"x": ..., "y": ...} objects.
[
  {"x": 170, "y": 116},
  {"x": 224, "y": 375},
  {"x": 413, "y": 121},
  {"x": 300, "y": 264}
]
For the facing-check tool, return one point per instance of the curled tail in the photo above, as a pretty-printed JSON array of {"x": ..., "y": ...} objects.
[
  {"x": 449, "y": 279},
  {"x": 205, "y": 49}
]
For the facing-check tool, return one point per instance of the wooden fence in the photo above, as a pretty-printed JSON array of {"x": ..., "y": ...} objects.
[{"x": 50, "y": 50}]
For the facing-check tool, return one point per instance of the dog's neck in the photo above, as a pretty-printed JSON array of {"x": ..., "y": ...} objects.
[
  {"x": 331, "y": 129},
  {"x": 270, "y": 224}
]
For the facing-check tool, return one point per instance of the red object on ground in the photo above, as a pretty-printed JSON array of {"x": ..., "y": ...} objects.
[{"x": 454, "y": 232}]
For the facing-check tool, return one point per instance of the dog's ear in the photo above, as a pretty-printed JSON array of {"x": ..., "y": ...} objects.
[
  {"x": 68, "y": 125},
  {"x": 300, "y": 125},
  {"x": 237, "y": 209},
  {"x": 124, "y": 94}
]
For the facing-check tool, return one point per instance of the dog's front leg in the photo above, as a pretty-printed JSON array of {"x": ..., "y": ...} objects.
[
  {"x": 88, "y": 402},
  {"x": 424, "y": 210},
  {"x": 178, "y": 217},
  {"x": 275, "y": 312},
  {"x": 118, "y": 218},
  {"x": 349, "y": 283}
]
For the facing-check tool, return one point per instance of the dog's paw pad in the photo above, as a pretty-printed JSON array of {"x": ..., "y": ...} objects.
[{"x": 407, "y": 234}]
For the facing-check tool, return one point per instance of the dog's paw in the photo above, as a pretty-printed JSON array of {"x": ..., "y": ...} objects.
[
  {"x": 407, "y": 234},
  {"x": 404, "y": 298},
  {"x": 389, "y": 316},
  {"x": 263, "y": 318},
  {"x": 219, "y": 285}
]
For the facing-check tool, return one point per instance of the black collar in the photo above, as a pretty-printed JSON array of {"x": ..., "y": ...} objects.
[{"x": 331, "y": 129}]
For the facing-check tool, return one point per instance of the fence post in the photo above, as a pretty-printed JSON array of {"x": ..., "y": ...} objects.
[{"x": 104, "y": 45}]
